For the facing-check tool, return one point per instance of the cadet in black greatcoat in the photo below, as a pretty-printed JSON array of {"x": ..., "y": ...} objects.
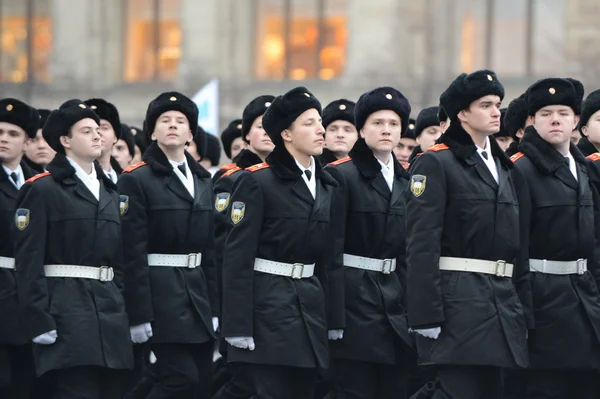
[
  {"x": 69, "y": 263},
  {"x": 18, "y": 124},
  {"x": 515, "y": 121},
  {"x": 38, "y": 153},
  {"x": 589, "y": 125},
  {"x": 281, "y": 293},
  {"x": 171, "y": 286},
  {"x": 371, "y": 356},
  {"x": 464, "y": 293},
  {"x": 564, "y": 346}
]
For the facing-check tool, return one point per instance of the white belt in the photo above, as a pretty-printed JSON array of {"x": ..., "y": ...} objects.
[
  {"x": 103, "y": 273},
  {"x": 293, "y": 270},
  {"x": 190, "y": 261},
  {"x": 578, "y": 266},
  {"x": 499, "y": 268},
  {"x": 7, "y": 263},
  {"x": 385, "y": 266}
]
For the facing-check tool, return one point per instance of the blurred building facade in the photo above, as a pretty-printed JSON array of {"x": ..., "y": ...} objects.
[{"x": 128, "y": 51}]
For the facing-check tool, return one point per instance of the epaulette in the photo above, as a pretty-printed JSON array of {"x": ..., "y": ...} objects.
[
  {"x": 38, "y": 176},
  {"x": 231, "y": 171},
  {"x": 134, "y": 167},
  {"x": 419, "y": 154},
  {"x": 228, "y": 166},
  {"x": 438, "y": 147},
  {"x": 594, "y": 157},
  {"x": 258, "y": 166},
  {"x": 517, "y": 156},
  {"x": 405, "y": 165},
  {"x": 339, "y": 161}
]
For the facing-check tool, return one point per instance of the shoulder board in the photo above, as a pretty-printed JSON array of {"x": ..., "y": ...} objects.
[
  {"x": 339, "y": 161},
  {"x": 228, "y": 166},
  {"x": 517, "y": 156},
  {"x": 258, "y": 166},
  {"x": 594, "y": 157},
  {"x": 419, "y": 154},
  {"x": 405, "y": 165},
  {"x": 438, "y": 147},
  {"x": 38, "y": 176},
  {"x": 134, "y": 167},
  {"x": 231, "y": 171}
]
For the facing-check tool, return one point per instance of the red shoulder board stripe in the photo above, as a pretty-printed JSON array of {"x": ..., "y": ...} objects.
[
  {"x": 594, "y": 157},
  {"x": 258, "y": 166},
  {"x": 228, "y": 166},
  {"x": 517, "y": 156},
  {"x": 231, "y": 171},
  {"x": 438, "y": 147},
  {"x": 38, "y": 176},
  {"x": 339, "y": 161},
  {"x": 134, "y": 167},
  {"x": 419, "y": 154},
  {"x": 405, "y": 165}
]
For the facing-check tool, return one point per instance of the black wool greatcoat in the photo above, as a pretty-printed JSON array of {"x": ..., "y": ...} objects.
[
  {"x": 371, "y": 222},
  {"x": 288, "y": 318},
  {"x": 65, "y": 224},
  {"x": 159, "y": 216},
  {"x": 462, "y": 212}
]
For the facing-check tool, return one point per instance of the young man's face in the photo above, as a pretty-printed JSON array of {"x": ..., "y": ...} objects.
[
  {"x": 555, "y": 123},
  {"x": 84, "y": 140},
  {"x": 428, "y": 136},
  {"x": 258, "y": 138},
  {"x": 340, "y": 137},
  {"x": 109, "y": 138},
  {"x": 382, "y": 131},
  {"x": 12, "y": 142},
  {"x": 120, "y": 152},
  {"x": 592, "y": 129},
  {"x": 404, "y": 149},
  {"x": 172, "y": 130},
  {"x": 38, "y": 150},
  {"x": 237, "y": 146},
  {"x": 306, "y": 133},
  {"x": 483, "y": 115},
  {"x": 504, "y": 142}
]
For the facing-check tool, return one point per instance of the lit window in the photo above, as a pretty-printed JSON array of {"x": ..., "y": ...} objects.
[
  {"x": 153, "y": 46},
  {"x": 23, "y": 54},
  {"x": 300, "y": 39}
]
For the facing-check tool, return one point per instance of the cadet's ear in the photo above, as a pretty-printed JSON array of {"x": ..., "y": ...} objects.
[
  {"x": 462, "y": 115},
  {"x": 584, "y": 130},
  {"x": 65, "y": 141},
  {"x": 577, "y": 117},
  {"x": 286, "y": 135},
  {"x": 361, "y": 134}
]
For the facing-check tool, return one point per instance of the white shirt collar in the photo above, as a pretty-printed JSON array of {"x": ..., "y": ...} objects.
[
  {"x": 89, "y": 180},
  {"x": 489, "y": 161},
  {"x": 18, "y": 171},
  {"x": 185, "y": 179},
  {"x": 387, "y": 170},
  {"x": 572, "y": 165},
  {"x": 312, "y": 183}
]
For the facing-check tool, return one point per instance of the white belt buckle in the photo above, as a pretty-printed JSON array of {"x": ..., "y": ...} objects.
[
  {"x": 191, "y": 261},
  {"x": 105, "y": 273},
  {"x": 387, "y": 266},
  {"x": 581, "y": 266},
  {"x": 297, "y": 271},
  {"x": 501, "y": 268}
]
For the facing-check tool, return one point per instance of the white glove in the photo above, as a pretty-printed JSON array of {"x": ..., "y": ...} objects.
[
  {"x": 46, "y": 338},
  {"x": 334, "y": 335},
  {"x": 432, "y": 333},
  {"x": 241, "y": 342},
  {"x": 215, "y": 321},
  {"x": 141, "y": 333}
]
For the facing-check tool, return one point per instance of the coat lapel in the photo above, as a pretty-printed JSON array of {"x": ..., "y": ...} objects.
[
  {"x": 82, "y": 190},
  {"x": 176, "y": 186},
  {"x": 503, "y": 176},
  {"x": 381, "y": 186},
  {"x": 565, "y": 175},
  {"x": 200, "y": 191},
  {"x": 301, "y": 190},
  {"x": 484, "y": 172},
  {"x": 105, "y": 198}
]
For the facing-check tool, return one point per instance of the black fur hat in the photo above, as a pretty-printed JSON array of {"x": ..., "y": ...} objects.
[
  {"x": 62, "y": 119},
  {"x": 171, "y": 101},
  {"x": 427, "y": 117},
  {"x": 231, "y": 132},
  {"x": 284, "y": 110},
  {"x": 253, "y": 110},
  {"x": 338, "y": 110},
  {"x": 20, "y": 114},
  {"x": 591, "y": 105},
  {"x": 515, "y": 116},
  {"x": 382, "y": 98},
  {"x": 467, "y": 88},
  {"x": 552, "y": 91},
  {"x": 106, "y": 111}
]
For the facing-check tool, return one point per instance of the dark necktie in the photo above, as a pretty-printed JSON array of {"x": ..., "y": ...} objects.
[
  {"x": 484, "y": 154},
  {"x": 181, "y": 167},
  {"x": 567, "y": 162},
  {"x": 15, "y": 178},
  {"x": 308, "y": 174}
]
